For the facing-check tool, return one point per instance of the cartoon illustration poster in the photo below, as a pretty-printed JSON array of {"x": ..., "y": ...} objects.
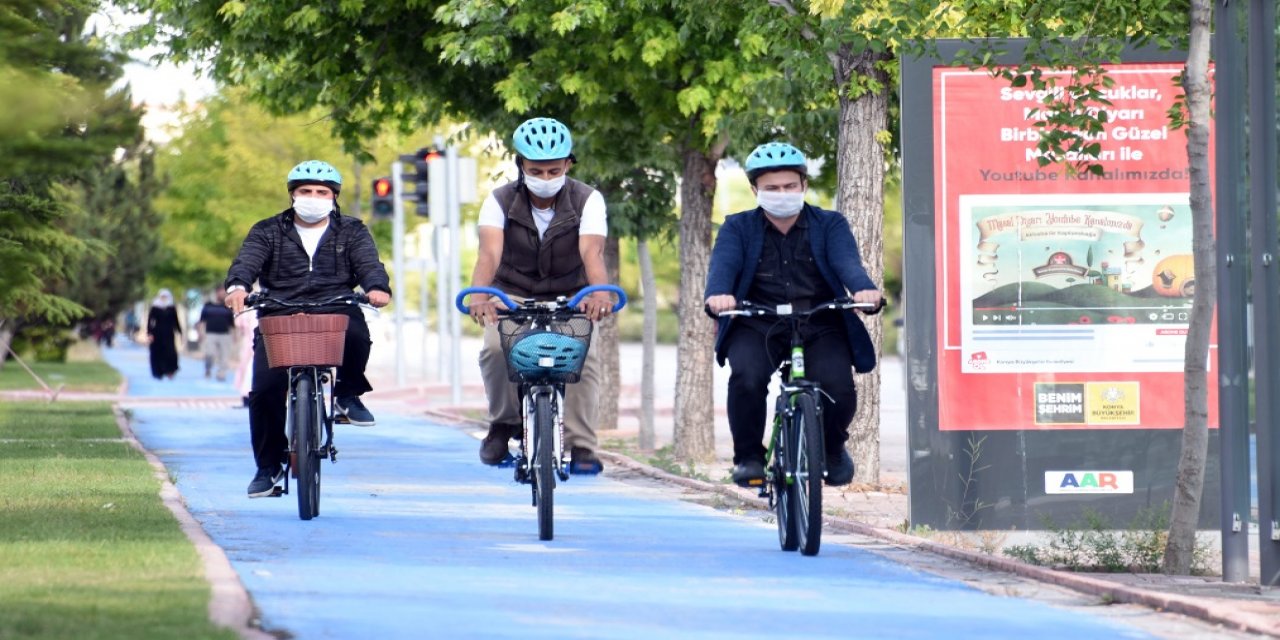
[{"x": 1063, "y": 299}]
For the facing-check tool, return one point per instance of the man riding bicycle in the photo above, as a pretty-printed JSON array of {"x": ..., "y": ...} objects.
[
  {"x": 541, "y": 237},
  {"x": 786, "y": 251},
  {"x": 308, "y": 252}
]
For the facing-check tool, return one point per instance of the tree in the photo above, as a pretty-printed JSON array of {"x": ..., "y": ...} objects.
[
  {"x": 60, "y": 121},
  {"x": 674, "y": 68}
]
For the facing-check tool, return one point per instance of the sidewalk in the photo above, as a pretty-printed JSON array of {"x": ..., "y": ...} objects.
[{"x": 876, "y": 511}]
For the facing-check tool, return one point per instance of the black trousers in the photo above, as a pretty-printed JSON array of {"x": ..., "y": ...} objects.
[
  {"x": 271, "y": 390},
  {"x": 753, "y": 361}
]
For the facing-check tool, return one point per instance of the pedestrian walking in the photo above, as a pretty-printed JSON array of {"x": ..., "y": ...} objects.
[
  {"x": 163, "y": 330},
  {"x": 246, "y": 324},
  {"x": 215, "y": 325}
]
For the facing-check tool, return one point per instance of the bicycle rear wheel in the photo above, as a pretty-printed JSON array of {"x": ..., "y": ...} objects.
[
  {"x": 544, "y": 465},
  {"x": 806, "y": 437},
  {"x": 305, "y": 441},
  {"x": 783, "y": 502}
]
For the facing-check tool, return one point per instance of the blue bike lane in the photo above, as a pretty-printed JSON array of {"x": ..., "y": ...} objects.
[{"x": 416, "y": 539}]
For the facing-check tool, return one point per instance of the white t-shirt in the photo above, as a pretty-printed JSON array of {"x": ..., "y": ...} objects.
[
  {"x": 594, "y": 221},
  {"x": 310, "y": 238}
]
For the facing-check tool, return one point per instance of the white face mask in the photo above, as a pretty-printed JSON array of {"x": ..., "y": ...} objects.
[
  {"x": 312, "y": 210},
  {"x": 780, "y": 204},
  {"x": 544, "y": 188}
]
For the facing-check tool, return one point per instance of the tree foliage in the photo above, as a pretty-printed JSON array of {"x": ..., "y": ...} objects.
[{"x": 61, "y": 122}]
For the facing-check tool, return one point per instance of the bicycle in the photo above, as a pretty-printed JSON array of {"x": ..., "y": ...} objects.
[
  {"x": 793, "y": 483},
  {"x": 310, "y": 346},
  {"x": 545, "y": 344}
]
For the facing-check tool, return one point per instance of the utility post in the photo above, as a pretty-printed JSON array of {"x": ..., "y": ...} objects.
[{"x": 397, "y": 264}]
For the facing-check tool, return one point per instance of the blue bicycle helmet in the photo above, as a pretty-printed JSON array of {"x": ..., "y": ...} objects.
[
  {"x": 315, "y": 172},
  {"x": 545, "y": 353},
  {"x": 775, "y": 156},
  {"x": 543, "y": 139}
]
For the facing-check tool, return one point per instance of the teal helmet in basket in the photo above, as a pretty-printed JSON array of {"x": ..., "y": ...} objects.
[
  {"x": 543, "y": 139},
  {"x": 543, "y": 353},
  {"x": 775, "y": 156},
  {"x": 315, "y": 172}
]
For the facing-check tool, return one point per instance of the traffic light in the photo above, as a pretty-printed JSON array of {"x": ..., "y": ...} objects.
[
  {"x": 383, "y": 195},
  {"x": 422, "y": 178}
]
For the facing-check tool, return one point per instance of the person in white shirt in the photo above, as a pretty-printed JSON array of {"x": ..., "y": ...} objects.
[{"x": 541, "y": 237}]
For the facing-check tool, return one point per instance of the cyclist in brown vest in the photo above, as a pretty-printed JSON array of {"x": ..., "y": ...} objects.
[{"x": 541, "y": 237}]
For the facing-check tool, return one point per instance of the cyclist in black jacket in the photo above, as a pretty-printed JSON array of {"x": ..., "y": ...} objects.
[{"x": 309, "y": 251}]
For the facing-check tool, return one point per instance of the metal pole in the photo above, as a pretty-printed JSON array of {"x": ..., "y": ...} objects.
[
  {"x": 444, "y": 303},
  {"x": 425, "y": 306},
  {"x": 455, "y": 268},
  {"x": 1266, "y": 284},
  {"x": 397, "y": 265},
  {"x": 1231, "y": 221}
]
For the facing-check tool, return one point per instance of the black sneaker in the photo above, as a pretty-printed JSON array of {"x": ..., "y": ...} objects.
[
  {"x": 495, "y": 448},
  {"x": 352, "y": 411},
  {"x": 839, "y": 468},
  {"x": 748, "y": 473},
  {"x": 584, "y": 462},
  {"x": 264, "y": 482}
]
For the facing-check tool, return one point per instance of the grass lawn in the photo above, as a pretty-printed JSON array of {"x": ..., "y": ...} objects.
[
  {"x": 84, "y": 370},
  {"x": 87, "y": 549}
]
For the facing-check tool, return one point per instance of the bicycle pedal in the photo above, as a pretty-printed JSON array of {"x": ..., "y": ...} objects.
[
  {"x": 507, "y": 462},
  {"x": 754, "y": 482},
  {"x": 341, "y": 418},
  {"x": 277, "y": 491}
]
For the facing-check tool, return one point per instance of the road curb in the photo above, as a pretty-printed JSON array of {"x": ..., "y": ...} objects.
[
  {"x": 229, "y": 604},
  {"x": 1226, "y": 613}
]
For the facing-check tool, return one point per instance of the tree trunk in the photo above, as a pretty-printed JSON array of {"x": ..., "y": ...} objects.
[
  {"x": 1195, "y": 433},
  {"x": 648, "y": 289},
  {"x": 695, "y": 419},
  {"x": 607, "y": 340},
  {"x": 860, "y": 196}
]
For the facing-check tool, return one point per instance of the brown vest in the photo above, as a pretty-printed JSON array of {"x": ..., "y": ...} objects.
[{"x": 548, "y": 267}]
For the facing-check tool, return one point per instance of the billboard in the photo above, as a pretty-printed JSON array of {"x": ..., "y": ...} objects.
[
  {"x": 1063, "y": 297},
  {"x": 1046, "y": 311}
]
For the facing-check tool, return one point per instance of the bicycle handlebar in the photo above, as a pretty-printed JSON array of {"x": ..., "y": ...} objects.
[
  {"x": 748, "y": 308},
  {"x": 572, "y": 303},
  {"x": 262, "y": 298}
]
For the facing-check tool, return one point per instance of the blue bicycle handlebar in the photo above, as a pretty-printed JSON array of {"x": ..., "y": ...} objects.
[
  {"x": 462, "y": 295},
  {"x": 622, "y": 295},
  {"x": 577, "y": 298}
]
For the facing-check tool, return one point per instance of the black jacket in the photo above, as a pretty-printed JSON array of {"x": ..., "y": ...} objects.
[{"x": 273, "y": 256}]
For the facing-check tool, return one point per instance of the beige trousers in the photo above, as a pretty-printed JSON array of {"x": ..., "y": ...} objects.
[{"x": 581, "y": 399}]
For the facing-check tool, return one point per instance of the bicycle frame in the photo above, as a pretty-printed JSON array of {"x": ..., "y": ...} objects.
[{"x": 791, "y": 383}]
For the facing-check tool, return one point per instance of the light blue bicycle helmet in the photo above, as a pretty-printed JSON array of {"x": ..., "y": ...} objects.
[
  {"x": 774, "y": 156},
  {"x": 543, "y": 139},
  {"x": 545, "y": 353},
  {"x": 315, "y": 172}
]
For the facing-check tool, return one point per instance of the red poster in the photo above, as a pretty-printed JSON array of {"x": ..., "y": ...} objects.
[{"x": 1063, "y": 299}]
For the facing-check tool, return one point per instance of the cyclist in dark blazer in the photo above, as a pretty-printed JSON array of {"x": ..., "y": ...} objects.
[
  {"x": 307, "y": 252},
  {"x": 788, "y": 251}
]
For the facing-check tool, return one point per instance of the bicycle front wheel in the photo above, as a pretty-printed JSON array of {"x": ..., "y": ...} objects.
[
  {"x": 806, "y": 439},
  {"x": 544, "y": 465},
  {"x": 784, "y": 504},
  {"x": 305, "y": 440}
]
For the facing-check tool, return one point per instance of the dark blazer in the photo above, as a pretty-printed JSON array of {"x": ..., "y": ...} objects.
[
  {"x": 737, "y": 252},
  {"x": 273, "y": 255}
]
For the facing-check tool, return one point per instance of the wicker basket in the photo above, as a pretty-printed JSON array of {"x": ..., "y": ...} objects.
[{"x": 302, "y": 340}]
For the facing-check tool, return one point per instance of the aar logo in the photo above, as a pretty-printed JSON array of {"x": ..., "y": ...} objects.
[{"x": 1060, "y": 482}]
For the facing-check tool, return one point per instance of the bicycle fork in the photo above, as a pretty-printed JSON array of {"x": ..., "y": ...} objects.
[{"x": 529, "y": 439}]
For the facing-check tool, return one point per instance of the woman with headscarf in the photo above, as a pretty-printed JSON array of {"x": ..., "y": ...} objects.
[{"x": 162, "y": 328}]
